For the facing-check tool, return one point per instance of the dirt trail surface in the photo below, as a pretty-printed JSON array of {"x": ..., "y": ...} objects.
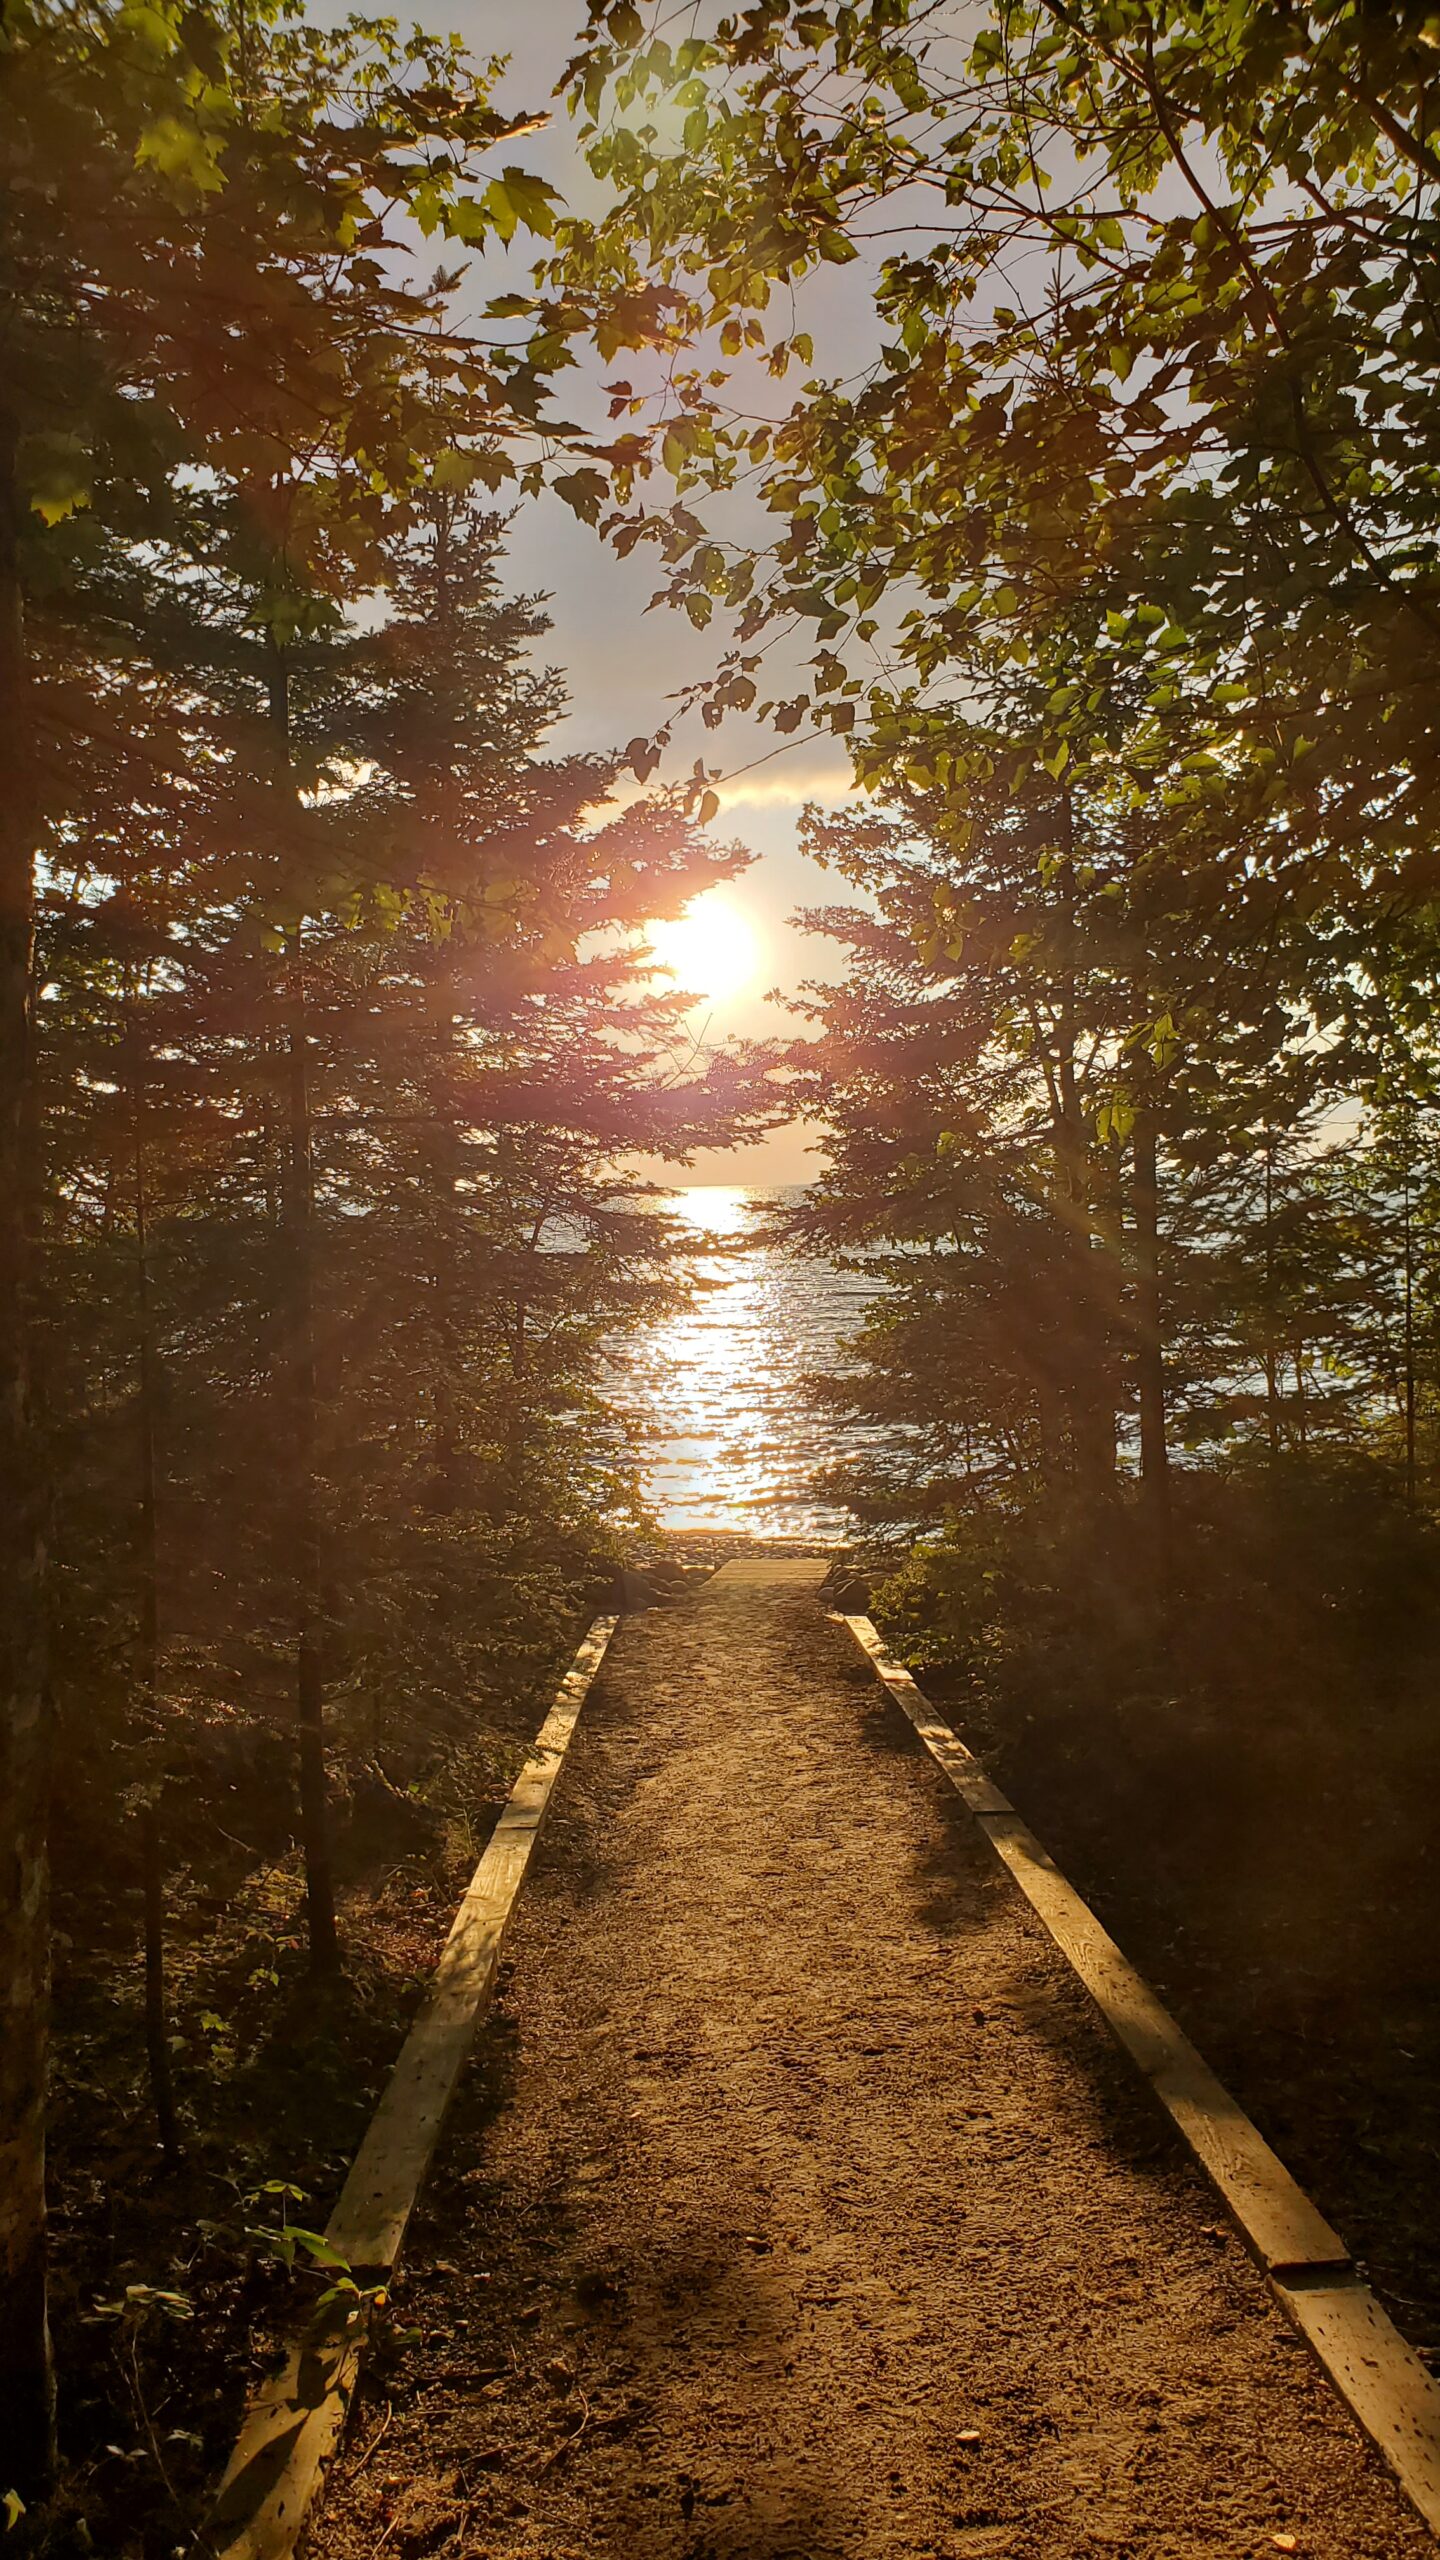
[{"x": 799, "y": 2206}]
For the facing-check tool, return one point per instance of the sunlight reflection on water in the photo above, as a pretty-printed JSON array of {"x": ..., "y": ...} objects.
[{"x": 718, "y": 1391}]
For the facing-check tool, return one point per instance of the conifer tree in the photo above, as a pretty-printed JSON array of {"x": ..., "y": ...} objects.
[{"x": 205, "y": 334}]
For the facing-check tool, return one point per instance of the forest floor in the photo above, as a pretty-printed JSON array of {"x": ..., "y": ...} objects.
[
  {"x": 799, "y": 2206},
  {"x": 170, "y": 2292}
]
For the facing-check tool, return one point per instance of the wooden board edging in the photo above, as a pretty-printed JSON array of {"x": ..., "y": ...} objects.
[
  {"x": 1379, "y": 2377},
  {"x": 295, "y": 2419}
]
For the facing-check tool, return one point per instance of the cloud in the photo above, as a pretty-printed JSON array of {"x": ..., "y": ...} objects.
[
  {"x": 829, "y": 784},
  {"x": 786, "y": 790}
]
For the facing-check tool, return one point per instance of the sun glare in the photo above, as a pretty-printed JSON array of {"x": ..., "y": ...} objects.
[{"x": 712, "y": 949}]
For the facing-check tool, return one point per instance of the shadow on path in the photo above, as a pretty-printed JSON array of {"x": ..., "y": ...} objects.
[{"x": 800, "y": 2207}]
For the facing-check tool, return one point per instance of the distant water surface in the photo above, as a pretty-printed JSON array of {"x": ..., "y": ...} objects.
[{"x": 716, "y": 1394}]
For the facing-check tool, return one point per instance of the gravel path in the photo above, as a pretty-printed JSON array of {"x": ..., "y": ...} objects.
[{"x": 800, "y": 2207}]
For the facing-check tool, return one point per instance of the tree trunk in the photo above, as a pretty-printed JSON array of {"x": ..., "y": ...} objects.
[
  {"x": 1409, "y": 1279},
  {"x": 157, "y": 2025},
  {"x": 1272, "y": 1365},
  {"x": 1088, "y": 1394},
  {"x": 297, "y": 1253},
  {"x": 148, "y": 1596},
  {"x": 27, "y": 2394},
  {"x": 1150, "y": 1342},
  {"x": 444, "y": 1153}
]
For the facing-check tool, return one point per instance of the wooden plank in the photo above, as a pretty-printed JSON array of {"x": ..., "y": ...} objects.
[
  {"x": 960, "y": 1766},
  {"x": 292, "y": 2427},
  {"x": 1276, "y": 2216},
  {"x": 368, "y": 2224},
  {"x": 801, "y": 1570},
  {"x": 1396, "y": 2401},
  {"x": 1381, "y": 2379},
  {"x": 295, "y": 2420}
]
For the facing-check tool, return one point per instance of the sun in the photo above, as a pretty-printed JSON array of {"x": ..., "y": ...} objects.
[{"x": 712, "y": 949}]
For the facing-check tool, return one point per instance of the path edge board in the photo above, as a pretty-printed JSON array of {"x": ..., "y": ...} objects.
[
  {"x": 295, "y": 2418},
  {"x": 1309, "y": 2270}
]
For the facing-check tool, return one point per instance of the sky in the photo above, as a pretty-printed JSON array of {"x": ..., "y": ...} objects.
[{"x": 622, "y": 661}]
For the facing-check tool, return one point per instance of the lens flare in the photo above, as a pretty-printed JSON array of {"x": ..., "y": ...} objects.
[{"x": 712, "y": 949}]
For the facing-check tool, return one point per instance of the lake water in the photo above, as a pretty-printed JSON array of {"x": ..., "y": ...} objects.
[{"x": 732, "y": 1442}]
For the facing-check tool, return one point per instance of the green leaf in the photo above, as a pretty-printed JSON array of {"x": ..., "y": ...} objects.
[
  {"x": 515, "y": 197},
  {"x": 317, "y": 2247},
  {"x": 151, "y": 27},
  {"x": 584, "y": 491},
  {"x": 453, "y": 469},
  {"x": 499, "y": 209},
  {"x": 181, "y": 154},
  {"x": 55, "y": 471},
  {"x": 676, "y": 446},
  {"x": 467, "y": 219},
  {"x": 427, "y": 208}
]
